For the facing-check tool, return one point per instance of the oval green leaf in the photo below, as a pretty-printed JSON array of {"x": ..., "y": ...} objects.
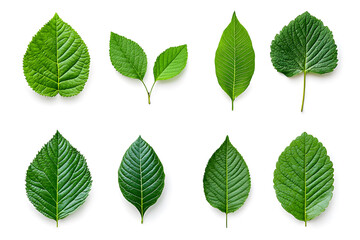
[
  {"x": 226, "y": 179},
  {"x": 304, "y": 177},
  {"x": 57, "y": 60},
  {"x": 170, "y": 62},
  {"x": 234, "y": 60},
  {"x": 141, "y": 176},
  {"x": 127, "y": 57},
  {"x": 58, "y": 180},
  {"x": 305, "y": 45}
]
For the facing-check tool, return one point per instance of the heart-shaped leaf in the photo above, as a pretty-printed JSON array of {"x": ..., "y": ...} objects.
[
  {"x": 303, "y": 178},
  {"x": 305, "y": 45},
  {"x": 170, "y": 63},
  {"x": 234, "y": 60},
  {"x": 58, "y": 180},
  {"x": 127, "y": 57},
  {"x": 57, "y": 60},
  {"x": 226, "y": 179},
  {"x": 141, "y": 176}
]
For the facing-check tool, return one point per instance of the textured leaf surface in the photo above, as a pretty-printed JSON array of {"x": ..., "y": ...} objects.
[
  {"x": 305, "y": 45},
  {"x": 234, "y": 59},
  {"x": 303, "y": 179},
  {"x": 58, "y": 180},
  {"x": 226, "y": 179},
  {"x": 57, "y": 60},
  {"x": 141, "y": 176},
  {"x": 127, "y": 57},
  {"x": 170, "y": 63}
]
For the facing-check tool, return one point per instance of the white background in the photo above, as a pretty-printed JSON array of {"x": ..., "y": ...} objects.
[{"x": 187, "y": 121}]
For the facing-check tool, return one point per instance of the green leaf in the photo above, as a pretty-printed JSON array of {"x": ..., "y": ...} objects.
[
  {"x": 127, "y": 57},
  {"x": 234, "y": 60},
  {"x": 303, "y": 178},
  {"x": 58, "y": 180},
  {"x": 226, "y": 179},
  {"x": 305, "y": 45},
  {"x": 57, "y": 60},
  {"x": 141, "y": 176},
  {"x": 170, "y": 62}
]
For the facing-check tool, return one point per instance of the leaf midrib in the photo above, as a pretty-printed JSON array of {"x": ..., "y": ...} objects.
[
  {"x": 305, "y": 214},
  {"x": 57, "y": 54},
  {"x": 233, "y": 90},
  {"x": 57, "y": 180},
  {"x": 141, "y": 186},
  {"x": 226, "y": 180}
]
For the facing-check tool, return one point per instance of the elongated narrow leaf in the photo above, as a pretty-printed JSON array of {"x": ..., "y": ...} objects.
[
  {"x": 58, "y": 180},
  {"x": 303, "y": 178},
  {"x": 57, "y": 60},
  {"x": 127, "y": 57},
  {"x": 305, "y": 45},
  {"x": 170, "y": 62},
  {"x": 226, "y": 179},
  {"x": 234, "y": 60},
  {"x": 141, "y": 176}
]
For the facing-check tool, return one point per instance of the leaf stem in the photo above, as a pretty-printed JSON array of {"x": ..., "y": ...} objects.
[
  {"x": 147, "y": 92},
  {"x": 232, "y": 105},
  {"x": 152, "y": 87},
  {"x": 142, "y": 219},
  {"x": 226, "y": 221},
  {"x": 303, "y": 99}
]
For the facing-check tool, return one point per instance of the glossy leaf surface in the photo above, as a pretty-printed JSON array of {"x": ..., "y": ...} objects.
[
  {"x": 226, "y": 179},
  {"x": 234, "y": 60},
  {"x": 141, "y": 176},
  {"x": 57, "y": 60},
  {"x": 170, "y": 63},
  {"x": 303, "y": 179},
  {"x": 58, "y": 180}
]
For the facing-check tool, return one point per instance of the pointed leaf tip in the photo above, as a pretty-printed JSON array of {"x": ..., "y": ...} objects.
[{"x": 142, "y": 196}]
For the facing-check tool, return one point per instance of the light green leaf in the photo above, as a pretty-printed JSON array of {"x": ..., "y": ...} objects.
[
  {"x": 303, "y": 178},
  {"x": 58, "y": 180},
  {"x": 127, "y": 57},
  {"x": 305, "y": 45},
  {"x": 141, "y": 176},
  {"x": 226, "y": 179},
  {"x": 170, "y": 62},
  {"x": 57, "y": 60},
  {"x": 234, "y": 60}
]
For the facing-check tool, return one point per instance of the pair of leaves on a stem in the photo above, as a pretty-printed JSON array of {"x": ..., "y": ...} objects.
[
  {"x": 129, "y": 59},
  {"x": 57, "y": 60},
  {"x": 305, "y": 45},
  {"x": 303, "y": 178}
]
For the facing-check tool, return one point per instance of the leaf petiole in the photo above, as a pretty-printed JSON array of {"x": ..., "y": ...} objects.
[{"x": 303, "y": 99}]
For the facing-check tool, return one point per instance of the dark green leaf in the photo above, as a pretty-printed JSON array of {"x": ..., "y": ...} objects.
[
  {"x": 234, "y": 60},
  {"x": 303, "y": 178},
  {"x": 57, "y": 60},
  {"x": 305, "y": 45},
  {"x": 226, "y": 179},
  {"x": 58, "y": 180},
  {"x": 141, "y": 176},
  {"x": 170, "y": 62},
  {"x": 127, "y": 57}
]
